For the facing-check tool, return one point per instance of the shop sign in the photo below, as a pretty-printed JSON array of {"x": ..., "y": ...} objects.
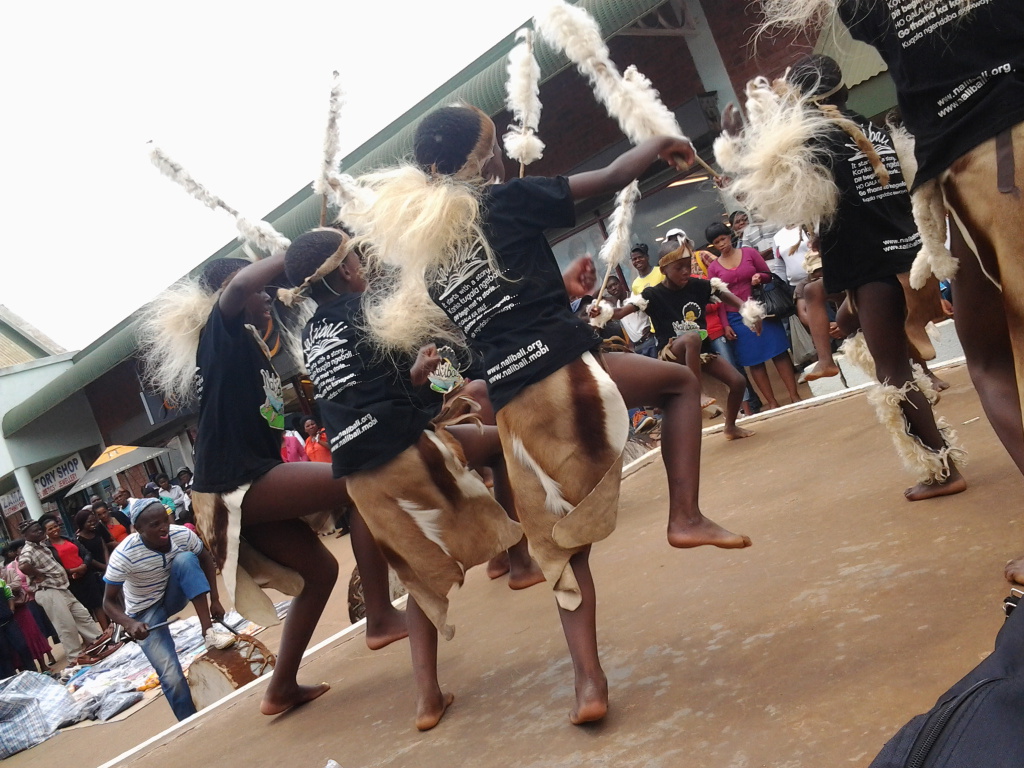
[
  {"x": 59, "y": 476},
  {"x": 12, "y": 502}
]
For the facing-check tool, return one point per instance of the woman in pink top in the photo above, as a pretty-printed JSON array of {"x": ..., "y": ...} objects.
[{"x": 741, "y": 269}]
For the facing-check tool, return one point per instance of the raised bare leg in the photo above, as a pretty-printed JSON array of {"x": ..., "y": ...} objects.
[
  {"x": 642, "y": 380},
  {"x": 431, "y": 701},
  {"x": 815, "y": 317}
]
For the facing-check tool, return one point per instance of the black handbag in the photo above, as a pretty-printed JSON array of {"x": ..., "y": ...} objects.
[{"x": 775, "y": 298}]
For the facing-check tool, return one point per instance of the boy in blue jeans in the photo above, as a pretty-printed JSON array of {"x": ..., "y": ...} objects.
[{"x": 151, "y": 576}]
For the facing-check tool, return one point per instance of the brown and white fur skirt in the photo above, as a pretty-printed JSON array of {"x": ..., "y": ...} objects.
[
  {"x": 563, "y": 439},
  {"x": 246, "y": 571},
  {"x": 433, "y": 519}
]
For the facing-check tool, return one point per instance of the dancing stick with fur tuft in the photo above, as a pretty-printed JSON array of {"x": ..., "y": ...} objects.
[
  {"x": 620, "y": 226},
  {"x": 258, "y": 233},
  {"x": 523, "y": 100},
  {"x": 323, "y": 185},
  {"x": 630, "y": 98}
]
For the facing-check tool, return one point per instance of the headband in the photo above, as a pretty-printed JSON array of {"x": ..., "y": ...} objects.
[
  {"x": 291, "y": 297},
  {"x": 682, "y": 252}
]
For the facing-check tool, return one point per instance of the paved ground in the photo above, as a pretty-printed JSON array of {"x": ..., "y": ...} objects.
[{"x": 852, "y": 612}]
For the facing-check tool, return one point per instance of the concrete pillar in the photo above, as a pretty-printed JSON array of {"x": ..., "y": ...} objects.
[
  {"x": 185, "y": 449},
  {"x": 707, "y": 58},
  {"x": 28, "y": 492}
]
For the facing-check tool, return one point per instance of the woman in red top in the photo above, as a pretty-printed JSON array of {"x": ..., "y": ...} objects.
[{"x": 84, "y": 582}]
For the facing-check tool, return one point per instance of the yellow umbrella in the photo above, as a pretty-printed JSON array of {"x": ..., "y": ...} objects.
[{"x": 116, "y": 458}]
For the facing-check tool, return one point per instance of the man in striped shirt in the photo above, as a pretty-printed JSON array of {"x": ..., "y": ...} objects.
[{"x": 151, "y": 575}]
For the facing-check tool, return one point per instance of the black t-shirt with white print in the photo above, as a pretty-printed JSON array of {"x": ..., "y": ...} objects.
[
  {"x": 873, "y": 234},
  {"x": 519, "y": 318},
  {"x": 241, "y": 406},
  {"x": 675, "y": 312},
  {"x": 958, "y": 70},
  {"x": 370, "y": 409}
]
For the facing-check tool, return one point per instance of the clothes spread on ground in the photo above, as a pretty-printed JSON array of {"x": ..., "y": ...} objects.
[
  {"x": 959, "y": 70},
  {"x": 143, "y": 572},
  {"x": 241, "y": 406},
  {"x": 873, "y": 234},
  {"x": 370, "y": 409},
  {"x": 518, "y": 317},
  {"x": 678, "y": 311}
]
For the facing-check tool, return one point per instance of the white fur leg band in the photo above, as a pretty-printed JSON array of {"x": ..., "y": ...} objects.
[
  {"x": 752, "y": 313},
  {"x": 928, "y": 465},
  {"x": 855, "y": 348}
]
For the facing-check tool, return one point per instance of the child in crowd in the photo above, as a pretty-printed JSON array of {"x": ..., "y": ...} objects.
[
  {"x": 203, "y": 338},
  {"x": 406, "y": 473},
  {"x": 678, "y": 308}
]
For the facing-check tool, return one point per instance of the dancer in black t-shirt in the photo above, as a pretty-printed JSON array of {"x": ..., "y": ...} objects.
[
  {"x": 205, "y": 339},
  {"x": 477, "y": 247},
  {"x": 867, "y": 238},
  {"x": 406, "y": 468},
  {"x": 677, "y": 308}
]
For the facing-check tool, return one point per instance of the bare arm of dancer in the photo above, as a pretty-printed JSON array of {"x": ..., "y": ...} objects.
[
  {"x": 248, "y": 281},
  {"x": 629, "y": 166}
]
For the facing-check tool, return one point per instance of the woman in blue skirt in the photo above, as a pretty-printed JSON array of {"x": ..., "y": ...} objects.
[{"x": 741, "y": 269}]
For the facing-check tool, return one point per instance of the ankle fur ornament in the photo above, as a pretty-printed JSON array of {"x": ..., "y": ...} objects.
[{"x": 928, "y": 465}]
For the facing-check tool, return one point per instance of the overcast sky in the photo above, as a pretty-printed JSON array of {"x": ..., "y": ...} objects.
[{"x": 236, "y": 92}]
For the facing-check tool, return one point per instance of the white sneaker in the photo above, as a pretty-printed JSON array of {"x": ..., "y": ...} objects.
[{"x": 219, "y": 639}]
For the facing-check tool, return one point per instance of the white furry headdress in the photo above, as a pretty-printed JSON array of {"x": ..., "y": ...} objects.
[
  {"x": 256, "y": 232},
  {"x": 772, "y": 162},
  {"x": 629, "y": 98},
  {"x": 523, "y": 100}
]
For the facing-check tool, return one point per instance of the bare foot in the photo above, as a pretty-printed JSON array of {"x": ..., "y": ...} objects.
[
  {"x": 522, "y": 577},
  {"x": 695, "y": 534},
  {"x": 736, "y": 433},
  {"x": 498, "y": 566},
  {"x": 1014, "y": 571},
  {"x": 940, "y": 385},
  {"x": 955, "y": 484},
  {"x": 819, "y": 371},
  {"x": 390, "y": 629},
  {"x": 276, "y": 703},
  {"x": 706, "y": 400},
  {"x": 429, "y": 713},
  {"x": 770, "y": 406},
  {"x": 591, "y": 701}
]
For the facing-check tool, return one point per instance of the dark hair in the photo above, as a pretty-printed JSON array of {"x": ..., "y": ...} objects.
[
  {"x": 308, "y": 252},
  {"x": 100, "y": 503},
  {"x": 733, "y": 216},
  {"x": 11, "y": 547},
  {"x": 669, "y": 246},
  {"x": 446, "y": 137},
  {"x": 49, "y": 518},
  {"x": 640, "y": 248},
  {"x": 219, "y": 270},
  {"x": 159, "y": 475},
  {"x": 815, "y": 74},
  {"x": 81, "y": 517},
  {"x": 309, "y": 418},
  {"x": 716, "y": 230}
]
